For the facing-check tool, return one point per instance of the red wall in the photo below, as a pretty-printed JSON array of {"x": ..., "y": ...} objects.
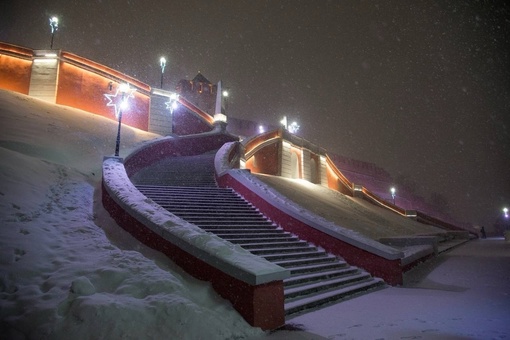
[
  {"x": 265, "y": 160},
  {"x": 80, "y": 88},
  {"x": 15, "y": 73},
  {"x": 187, "y": 123}
]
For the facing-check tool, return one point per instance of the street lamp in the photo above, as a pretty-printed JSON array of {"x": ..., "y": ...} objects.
[
  {"x": 505, "y": 212},
  {"x": 162, "y": 63},
  {"x": 393, "y": 194},
  {"x": 284, "y": 122},
  {"x": 119, "y": 106},
  {"x": 173, "y": 102},
  {"x": 54, "y": 28},
  {"x": 293, "y": 127}
]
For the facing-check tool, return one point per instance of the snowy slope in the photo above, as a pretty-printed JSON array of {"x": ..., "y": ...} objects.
[{"x": 61, "y": 275}]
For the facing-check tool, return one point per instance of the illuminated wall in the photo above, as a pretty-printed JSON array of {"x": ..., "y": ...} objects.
[
  {"x": 16, "y": 65},
  {"x": 83, "y": 83},
  {"x": 274, "y": 155},
  {"x": 266, "y": 160}
]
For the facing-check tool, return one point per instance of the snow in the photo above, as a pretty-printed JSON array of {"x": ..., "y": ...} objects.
[{"x": 68, "y": 271}]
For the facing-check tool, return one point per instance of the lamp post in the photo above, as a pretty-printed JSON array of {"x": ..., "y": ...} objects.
[
  {"x": 293, "y": 127},
  {"x": 54, "y": 28},
  {"x": 393, "y": 194},
  {"x": 162, "y": 64},
  {"x": 119, "y": 106}
]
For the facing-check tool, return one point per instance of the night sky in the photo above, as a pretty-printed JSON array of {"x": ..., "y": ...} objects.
[{"x": 420, "y": 88}]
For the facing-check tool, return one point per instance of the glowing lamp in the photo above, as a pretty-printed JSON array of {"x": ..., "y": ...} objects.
[
  {"x": 293, "y": 127},
  {"x": 162, "y": 64},
  {"x": 505, "y": 212},
  {"x": 54, "y": 28},
  {"x": 119, "y": 104},
  {"x": 220, "y": 117},
  {"x": 284, "y": 122},
  {"x": 261, "y": 129},
  {"x": 393, "y": 194}
]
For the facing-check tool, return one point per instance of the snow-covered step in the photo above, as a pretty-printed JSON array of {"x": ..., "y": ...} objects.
[
  {"x": 253, "y": 226},
  {"x": 229, "y": 236},
  {"x": 313, "y": 268},
  {"x": 302, "y": 262},
  {"x": 205, "y": 223},
  {"x": 313, "y": 301},
  {"x": 180, "y": 208},
  {"x": 319, "y": 276},
  {"x": 250, "y": 246},
  {"x": 293, "y": 292},
  {"x": 296, "y": 255},
  {"x": 222, "y": 215},
  {"x": 316, "y": 276},
  {"x": 261, "y": 239},
  {"x": 272, "y": 250},
  {"x": 241, "y": 231}
]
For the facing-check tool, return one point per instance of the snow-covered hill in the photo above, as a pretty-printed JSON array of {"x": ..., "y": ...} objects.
[{"x": 66, "y": 270}]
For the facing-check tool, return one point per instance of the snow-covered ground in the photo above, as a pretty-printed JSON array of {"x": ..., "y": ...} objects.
[{"x": 67, "y": 271}]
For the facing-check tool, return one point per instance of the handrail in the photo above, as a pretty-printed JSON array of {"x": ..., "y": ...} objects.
[
  {"x": 254, "y": 144},
  {"x": 16, "y": 51},
  {"x": 103, "y": 70},
  {"x": 205, "y": 116},
  {"x": 339, "y": 174}
]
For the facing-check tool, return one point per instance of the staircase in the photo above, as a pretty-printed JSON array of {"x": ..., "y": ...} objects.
[{"x": 185, "y": 186}]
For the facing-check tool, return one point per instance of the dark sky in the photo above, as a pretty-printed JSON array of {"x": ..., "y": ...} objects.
[{"x": 421, "y": 88}]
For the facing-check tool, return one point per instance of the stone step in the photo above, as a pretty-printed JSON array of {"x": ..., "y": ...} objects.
[
  {"x": 281, "y": 250},
  {"x": 221, "y": 215},
  {"x": 234, "y": 226},
  {"x": 297, "y": 255},
  {"x": 315, "y": 287},
  {"x": 319, "y": 276},
  {"x": 328, "y": 297},
  {"x": 210, "y": 209},
  {"x": 230, "y": 236},
  {"x": 207, "y": 223},
  {"x": 172, "y": 189},
  {"x": 250, "y": 246},
  {"x": 267, "y": 240},
  {"x": 244, "y": 231},
  {"x": 305, "y": 262},
  {"x": 314, "y": 268}
]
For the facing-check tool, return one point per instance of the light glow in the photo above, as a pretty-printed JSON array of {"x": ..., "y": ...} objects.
[
  {"x": 173, "y": 102},
  {"x": 284, "y": 122},
  {"x": 54, "y": 24},
  {"x": 225, "y": 93},
  {"x": 505, "y": 212},
  {"x": 220, "y": 117},
  {"x": 162, "y": 63},
  {"x": 261, "y": 129},
  {"x": 293, "y": 127},
  {"x": 120, "y": 103}
]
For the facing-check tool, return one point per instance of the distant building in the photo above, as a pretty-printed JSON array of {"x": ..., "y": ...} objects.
[{"x": 199, "y": 91}]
